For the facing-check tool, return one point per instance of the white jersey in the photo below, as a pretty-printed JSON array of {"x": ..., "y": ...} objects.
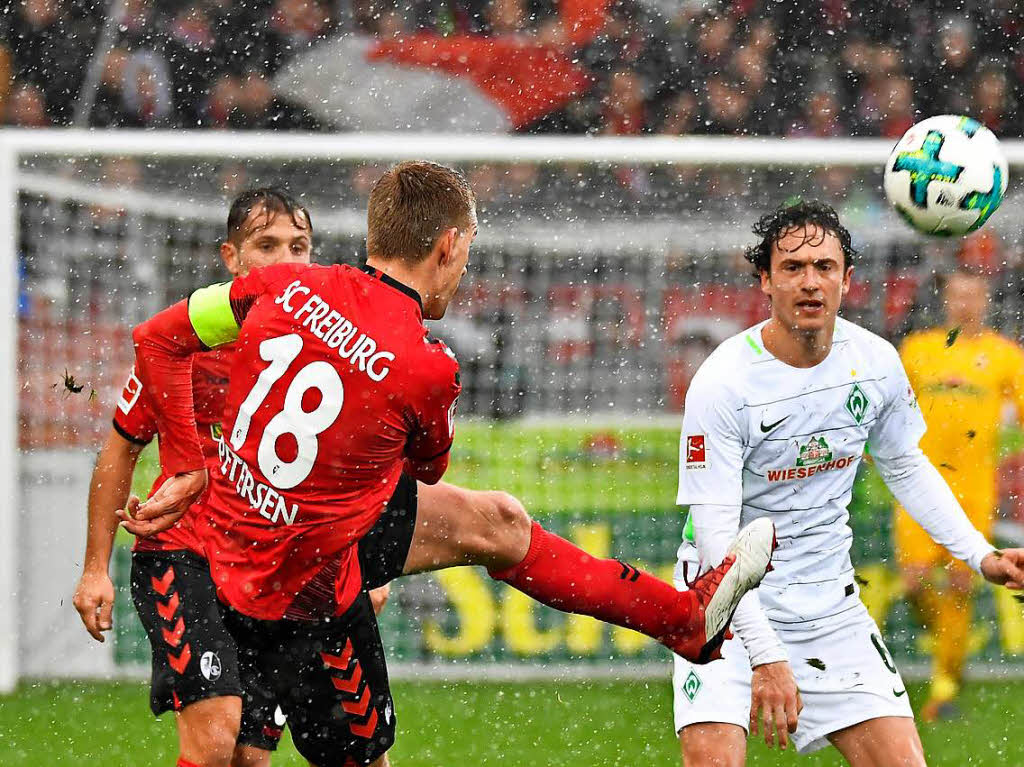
[{"x": 785, "y": 443}]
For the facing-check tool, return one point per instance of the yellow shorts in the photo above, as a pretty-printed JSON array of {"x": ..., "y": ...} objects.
[{"x": 915, "y": 548}]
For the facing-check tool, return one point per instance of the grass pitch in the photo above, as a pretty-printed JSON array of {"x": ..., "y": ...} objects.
[{"x": 441, "y": 725}]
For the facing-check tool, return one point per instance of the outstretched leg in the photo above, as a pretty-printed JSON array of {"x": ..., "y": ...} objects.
[
  {"x": 457, "y": 527},
  {"x": 462, "y": 527}
]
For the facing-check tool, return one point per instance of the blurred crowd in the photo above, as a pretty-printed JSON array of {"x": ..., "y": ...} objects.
[{"x": 778, "y": 67}]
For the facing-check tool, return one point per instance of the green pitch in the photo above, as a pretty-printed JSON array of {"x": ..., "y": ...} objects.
[{"x": 440, "y": 725}]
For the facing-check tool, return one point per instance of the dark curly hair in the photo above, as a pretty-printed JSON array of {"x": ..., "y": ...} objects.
[{"x": 772, "y": 227}]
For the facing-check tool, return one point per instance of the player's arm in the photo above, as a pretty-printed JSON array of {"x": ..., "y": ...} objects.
[
  {"x": 133, "y": 428},
  {"x": 711, "y": 482},
  {"x": 164, "y": 345},
  {"x": 435, "y": 398},
  {"x": 922, "y": 491},
  {"x": 108, "y": 491}
]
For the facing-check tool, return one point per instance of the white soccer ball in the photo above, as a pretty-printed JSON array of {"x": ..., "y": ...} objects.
[{"x": 946, "y": 176}]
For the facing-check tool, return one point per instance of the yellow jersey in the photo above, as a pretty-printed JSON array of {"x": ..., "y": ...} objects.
[{"x": 963, "y": 384}]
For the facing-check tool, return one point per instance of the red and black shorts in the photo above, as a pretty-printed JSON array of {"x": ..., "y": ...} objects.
[
  {"x": 329, "y": 676},
  {"x": 330, "y": 679},
  {"x": 194, "y": 655}
]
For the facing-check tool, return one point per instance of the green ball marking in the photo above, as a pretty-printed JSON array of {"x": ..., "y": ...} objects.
[
  {"x": 969, "y": 126},
  {"x": 985, "y": 202},
  {"x": 925, "y": 166}
]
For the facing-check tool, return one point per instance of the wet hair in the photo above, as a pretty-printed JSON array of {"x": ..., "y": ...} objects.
[
  {"x": 411, "y": 205},
  {"x": 786, "y": 219},
  {"x": 274, "y": 201}
]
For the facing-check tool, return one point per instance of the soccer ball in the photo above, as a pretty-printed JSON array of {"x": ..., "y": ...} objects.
[{"x": 946, "y": 176}]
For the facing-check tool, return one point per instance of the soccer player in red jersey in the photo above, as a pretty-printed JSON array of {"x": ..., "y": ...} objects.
[
  {"x": 171, "y": 586},
  {"x": 338, "y": 396}
]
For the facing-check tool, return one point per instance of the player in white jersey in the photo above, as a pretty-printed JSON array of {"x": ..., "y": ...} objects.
[{"x": 776, "y": 422}]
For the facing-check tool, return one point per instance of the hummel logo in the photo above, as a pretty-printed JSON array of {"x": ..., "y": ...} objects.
[
  {"x": 767, "y": 428},
  {"x": 628, "y": 571}
]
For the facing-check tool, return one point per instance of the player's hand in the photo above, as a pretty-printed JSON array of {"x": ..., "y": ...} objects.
[
  {"x": 94, "y": 600},
  {"x": 774, "y": 702},
  {"x": 165, "y": 507},
  {"x": 379, "y": 597},
  {"x": 1005, "y": 567}
]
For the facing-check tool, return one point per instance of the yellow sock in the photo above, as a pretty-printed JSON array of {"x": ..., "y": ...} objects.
[
  {"x": 943, "y": 688},
  {"x": 945, "y": 615},
  {"x": 952, "y": 631}
]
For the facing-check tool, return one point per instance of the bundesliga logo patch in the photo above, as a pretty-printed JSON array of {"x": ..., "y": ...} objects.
[
  {"x": 130, "y": 394},
  {"x": 696, "y": 452}
]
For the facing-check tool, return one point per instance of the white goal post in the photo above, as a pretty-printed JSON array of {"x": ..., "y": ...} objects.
[{"x": 23, "y": 152}]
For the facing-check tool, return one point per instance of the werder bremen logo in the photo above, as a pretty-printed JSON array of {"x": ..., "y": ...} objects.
[
  {"x": 815, "y": 452},
  {"x": 691, "y": 686},
  {"x": 857, "y": 403}
]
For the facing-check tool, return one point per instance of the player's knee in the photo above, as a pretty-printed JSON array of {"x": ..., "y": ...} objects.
[
  {"x": 249, "y": 756},
  {"x": 706, "y": 756},
  {"x": 500, "y": 526},
  {"x": 507, "y": 520},
  {"x": 213, "y": 744},
  {"x": 901, "y": 753},
  {"x": 509, "y": 514},
  {"x": 702, "y": 749}
]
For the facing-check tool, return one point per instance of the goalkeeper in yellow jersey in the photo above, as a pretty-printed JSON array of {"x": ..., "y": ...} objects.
[{"x": 964, "y": 375}]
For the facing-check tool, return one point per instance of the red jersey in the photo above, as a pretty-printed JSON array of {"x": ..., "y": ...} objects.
[
  {"x": 335, "y": 382},
  {"x": 135, "y": 420}
]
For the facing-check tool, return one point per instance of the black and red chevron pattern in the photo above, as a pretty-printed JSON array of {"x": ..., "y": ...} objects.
[
  {"x": 629, "y": 572},
  {"x": 348, "y": 680},
  {"x": 167, "y": 606}
]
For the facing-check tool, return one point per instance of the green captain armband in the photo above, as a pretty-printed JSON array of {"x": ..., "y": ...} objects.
[{"x": 209, "y": 311}]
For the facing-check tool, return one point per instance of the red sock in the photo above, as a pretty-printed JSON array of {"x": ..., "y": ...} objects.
[
  {"x": 183, "y": 762},
  {"x": 561, "y": 575}
]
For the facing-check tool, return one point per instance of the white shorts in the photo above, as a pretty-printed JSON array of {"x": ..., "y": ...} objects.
[{"x": 843, "y": 671}]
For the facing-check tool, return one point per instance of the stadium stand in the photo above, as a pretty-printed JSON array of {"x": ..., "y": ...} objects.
[{"x": 633, "y": 66}]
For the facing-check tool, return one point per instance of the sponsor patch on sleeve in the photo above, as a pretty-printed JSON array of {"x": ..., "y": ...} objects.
[
  {"x": 696, "y": 452},
  {"x": 130, "y": 393}
]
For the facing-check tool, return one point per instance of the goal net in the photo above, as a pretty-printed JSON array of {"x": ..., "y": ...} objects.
[{"x": 604, "y": 273}]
